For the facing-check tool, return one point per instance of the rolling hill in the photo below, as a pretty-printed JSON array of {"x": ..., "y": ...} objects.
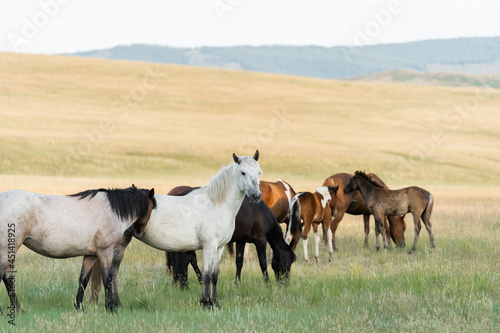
[{"x": 80, "y": 118}]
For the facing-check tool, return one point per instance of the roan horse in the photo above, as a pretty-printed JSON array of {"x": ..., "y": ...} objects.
[
  {"x": 203, "y": 219},
  {"x": 89, "y": 224},
  {"x": 254, "y": 224},
  {"x": 315, "y": 208},
  {"x": 383, "y": 202},
  {"x": 354, "y": 204}
]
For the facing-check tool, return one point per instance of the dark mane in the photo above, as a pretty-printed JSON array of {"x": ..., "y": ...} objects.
[
  {"x": 365, "y": 177},
  {"x": 127, "y": 203}
]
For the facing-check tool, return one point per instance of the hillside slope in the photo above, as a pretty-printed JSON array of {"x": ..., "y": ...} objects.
[{"x": 79, "y": 117}]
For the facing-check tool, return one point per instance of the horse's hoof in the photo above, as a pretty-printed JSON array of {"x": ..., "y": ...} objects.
[
  {"x": 306, "y": 261},
  {"x": 335, "y": 249},
  {"x": 317, "y": 259}
]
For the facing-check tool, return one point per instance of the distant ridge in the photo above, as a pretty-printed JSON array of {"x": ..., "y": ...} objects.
[
  {"x": 463, "y": 55},
  {"x": 434, "y": 78}
]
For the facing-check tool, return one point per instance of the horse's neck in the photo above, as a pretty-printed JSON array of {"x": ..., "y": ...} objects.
[
  {"x": 275, "y": 238},
  {"x": 365, "y": 188},
  {"x": 233, "y": 197}
]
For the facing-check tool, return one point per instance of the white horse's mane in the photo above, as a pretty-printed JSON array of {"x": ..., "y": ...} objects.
[{"x": 219, "y": 185}]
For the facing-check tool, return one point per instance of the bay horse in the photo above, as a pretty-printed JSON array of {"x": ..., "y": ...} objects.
[
  {"x": 88, "y": 224},
  {"x": 315, "y": 208},
  {"x": 384, "y": 202},
  {"x": 254, "y": 224},
  {"x": 203, "y": 219},
  {"x": 354, "y": 204}
]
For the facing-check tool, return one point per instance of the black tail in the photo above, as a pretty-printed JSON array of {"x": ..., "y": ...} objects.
[
  {"x": 179, "y": 266},
  {"x": 295, "y": 224},
  {"x": 230, "y": 249}
]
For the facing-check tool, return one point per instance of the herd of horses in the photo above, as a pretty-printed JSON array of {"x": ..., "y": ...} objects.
[{"x": 234, "y": 207}]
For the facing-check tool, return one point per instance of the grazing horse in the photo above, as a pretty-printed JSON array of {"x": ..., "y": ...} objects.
[
  {"x": 278, "y": 197},
  {"x": 383, "y": 202},
  {"x": 89, "y": 224},
  {"x": 202, "y": 219},
  {"x": 354, "y": 204},
  {"x": 254, "y": 224},
  {"x": 316, "y": 208}
]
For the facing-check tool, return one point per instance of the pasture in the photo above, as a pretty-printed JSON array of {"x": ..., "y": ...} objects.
[{"x": 71, "y": 124}]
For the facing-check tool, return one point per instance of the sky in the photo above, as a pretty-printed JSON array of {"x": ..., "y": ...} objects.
[{"x": 67, "y": 26}]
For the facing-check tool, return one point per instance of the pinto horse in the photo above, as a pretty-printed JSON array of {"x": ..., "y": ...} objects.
[
  {"x": 315, "y": 208},
  {"x": 89, "y": 224},
  {"x": 354, "y": 204},
  {"x": 383, "y": 202},
  {"x": 202, "y": 219},
  {"x": 254, "y": 224}
]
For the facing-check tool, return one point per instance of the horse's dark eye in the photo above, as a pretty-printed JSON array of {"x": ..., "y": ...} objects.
[{"x": 243, "y": 173}]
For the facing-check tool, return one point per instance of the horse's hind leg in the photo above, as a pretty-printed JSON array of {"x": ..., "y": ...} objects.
[
  {"x": 366, "y": 221},
  {"x": 417, "y": 226},
  {"x": 426, "y": 218},
  {"x": 7, "y": 272},
  {"x": 261, "y": 253},
  {"x": 9, "y": 280},
  {"x": 88, "y": 263},
  {"x": 316, "y": 242},
  {"x": 305, "y": 233},
  {"x": 240, "y": 249}
]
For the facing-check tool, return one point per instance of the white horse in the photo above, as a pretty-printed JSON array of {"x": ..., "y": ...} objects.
[
  {"x": 89, "y": 224},
  {"x": 203, "y": 219}
]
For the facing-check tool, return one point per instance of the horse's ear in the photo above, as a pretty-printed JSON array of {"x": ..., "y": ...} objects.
[
  {"x": 236, "y": 159},
  {"x": 152, "y": 193},
  {"x": 335, "y": 188},
  {"x": 256, "y": 155},
  {"x": 133, "y": 186}
]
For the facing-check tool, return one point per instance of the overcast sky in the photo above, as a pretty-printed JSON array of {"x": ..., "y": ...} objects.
[{"x": 56, "y": 26}]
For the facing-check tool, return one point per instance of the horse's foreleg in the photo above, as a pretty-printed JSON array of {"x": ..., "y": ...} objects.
[
  {"x": 379, "y": 220},
  {"x": 417, "y": 227},
  {"x": 316, "y": 242},
  {"x": 215, "y": 276},
  {"x": 326, "y": 225},
  {"x": 305, "y": 234},
  {"x": 387, "y": 230},
  {"x": 209, "y": 254},
  {"x": 106, "y": 259},
  {"x": 261, "y": 253},
  {"x": 366, "y": 221},
  {"x": 335, "y": 223},
  {"x": 240, "y": 248},
  {"x": 87, "y": 264}
]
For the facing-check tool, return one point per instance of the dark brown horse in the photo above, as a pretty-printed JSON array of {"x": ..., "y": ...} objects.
[
  {"x": 316, "y": 208},
  {"x": 382, "y": 202},
  {"x": 255, "y": 223},
  {"x": 354, "y": 204},
  {"x": 278, "y": 196}
]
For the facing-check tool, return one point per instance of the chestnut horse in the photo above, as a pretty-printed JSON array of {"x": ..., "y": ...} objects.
[
  {"x": 354, "y": 204},
  {"x": 315, "y": 208},
  {"x": 383, "y": 202}
]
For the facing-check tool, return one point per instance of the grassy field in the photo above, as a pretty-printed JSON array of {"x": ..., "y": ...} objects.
[{"x": 68, "y": 124}]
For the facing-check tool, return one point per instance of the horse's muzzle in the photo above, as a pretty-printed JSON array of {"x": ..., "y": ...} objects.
[{"x": 255, "y": 198}]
